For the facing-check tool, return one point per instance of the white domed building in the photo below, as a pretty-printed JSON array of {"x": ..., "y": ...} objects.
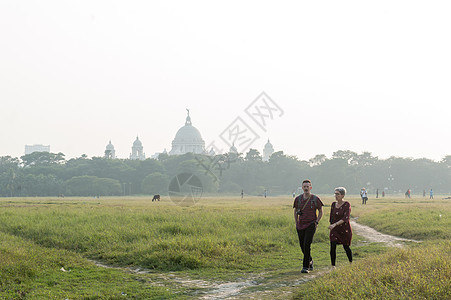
[
  {"x": 267, "y": 151},
  {"x": 137, "y": 150},
  {"x": 109, "y": 151},
  {"x": 188, "y": 139},
  {"x": 233, "y": 149}
]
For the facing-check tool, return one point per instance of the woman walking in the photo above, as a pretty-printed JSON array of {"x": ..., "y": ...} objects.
[{"x": 340, "y": 229}]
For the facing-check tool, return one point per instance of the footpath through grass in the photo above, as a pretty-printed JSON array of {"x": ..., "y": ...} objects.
[
  {"x": 420, "y": 271},
  {"x": 414, "y": 273},
  {"x": 217, "y": 239},
  {"x": 29, "y": 271}
]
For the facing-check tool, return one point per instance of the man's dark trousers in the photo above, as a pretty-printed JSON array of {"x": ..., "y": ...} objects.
[{"x": 305, "y": 241}]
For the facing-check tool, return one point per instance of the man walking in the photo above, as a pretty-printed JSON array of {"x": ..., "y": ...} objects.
[
  {"x": 306, "y": 219},
  {"x": 364, "y": 195}
]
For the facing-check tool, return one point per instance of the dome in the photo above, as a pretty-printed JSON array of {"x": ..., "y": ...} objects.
[
  {"x": 137, "y": 143},
  {"x": 109, "y": 146},
  {"x": 268, "y": 145},
  {"x": 267, "y": 151},
  {"x": 109, "y": 151},
  {"x": 188, "y": 139},
  {"x": 233, "y": 149},
  {"x": 188, "y": 134}
]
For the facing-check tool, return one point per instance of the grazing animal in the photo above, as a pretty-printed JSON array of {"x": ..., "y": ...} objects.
[{"x": 155, "y": 198}]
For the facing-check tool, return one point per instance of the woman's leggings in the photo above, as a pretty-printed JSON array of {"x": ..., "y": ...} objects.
[{"x": 333, "y": 252}]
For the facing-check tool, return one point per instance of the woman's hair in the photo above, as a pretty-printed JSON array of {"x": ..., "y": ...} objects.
[{"x": 341, "y": 190}]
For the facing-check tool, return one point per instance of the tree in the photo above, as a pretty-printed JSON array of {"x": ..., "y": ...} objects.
[
  {"x": 107, "y": 187},
  {"x": 347, "y": 155},
  {"x": 284, "y": 173},
  {"x": 317, "y": 160},
  {"x": 364, "y": 160},
  {"x": 41, "y": 185},
  {"x": 42, "y": 159},
  {"x": 8, "y": 162},
  {"x": 253, "y": 155},
  {"x": 447, "y": 161},
  {"x": 92, "y": 186},
  {"x": 155, "y": 183}
]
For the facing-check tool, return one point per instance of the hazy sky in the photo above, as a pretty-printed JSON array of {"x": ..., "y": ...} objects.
[{"x": 342, "y": 75}]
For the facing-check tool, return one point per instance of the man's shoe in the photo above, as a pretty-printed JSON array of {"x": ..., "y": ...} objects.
[
  {"x": 310, "y": 268},
  {"x": 304, "y": 270}
]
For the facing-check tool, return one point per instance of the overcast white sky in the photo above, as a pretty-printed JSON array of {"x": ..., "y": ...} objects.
[{"x": 346, "y": 75}]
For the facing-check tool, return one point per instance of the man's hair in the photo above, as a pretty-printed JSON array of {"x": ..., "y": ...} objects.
[{"x": 307, "y": 181}]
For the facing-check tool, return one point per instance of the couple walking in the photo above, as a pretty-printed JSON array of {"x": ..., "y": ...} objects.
[{"x": 305, "y": 207}]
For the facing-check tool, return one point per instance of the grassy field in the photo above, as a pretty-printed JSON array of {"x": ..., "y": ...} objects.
[
  {"x": 419, "y": 271},
  {"x": 48, "y": 246}
]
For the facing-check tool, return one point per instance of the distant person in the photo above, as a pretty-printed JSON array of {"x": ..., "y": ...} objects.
[
  {"x": 265, "y": 193},
  {"x": 306, "y": 219},
  {"x": 431, "y": 194},
  {"x": 424, "y": 193},
  {"x": 377, "y": 193},
  {"x": 242, "y": 194},
  {"x": 340, "y": 228},
  {"x": 294, "y": 194},
  {"x": 364, "y": 195},
  {"x": 409, "y": 192},
  {"x": 383, "y": 194},
  {"x": 406, "y": 193}
]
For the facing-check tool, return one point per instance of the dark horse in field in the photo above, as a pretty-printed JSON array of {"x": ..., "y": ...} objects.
[{"x": 155, "y": 198}]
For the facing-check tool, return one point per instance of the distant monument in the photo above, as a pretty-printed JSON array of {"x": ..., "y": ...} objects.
[
  {"x": 157, "y": 154},
  {"x": 233, "y": 149},
  {"x": 188, "y": 139},
  {"x": 109, "y": 151},
  {"x": 36, "y": 148},
  {"x": 137, "y": 150},
  {"x": 267, "y": 151}
]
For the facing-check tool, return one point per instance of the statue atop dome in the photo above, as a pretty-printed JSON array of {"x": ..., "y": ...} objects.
[{"x": 188, "y": 119}]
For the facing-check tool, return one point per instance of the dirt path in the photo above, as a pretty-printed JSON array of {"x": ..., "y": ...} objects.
[
  {"x": 374, "y": 236},
  {"x": 259, "y": 286},
  {"x": 281, "y": 287}
]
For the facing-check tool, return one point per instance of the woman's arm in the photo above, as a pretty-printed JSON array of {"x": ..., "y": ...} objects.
[
  {"x": 347, "y": 212},
  {"x": 331, "y": 210}
]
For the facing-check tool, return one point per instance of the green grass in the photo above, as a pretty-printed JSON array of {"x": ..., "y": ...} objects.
[
  {"x": 162, "y": 238},
  {"x": 422, "y": 271},
  {"x": 422, "y": 221},
  {"x": 29, "y": 271},
  {"x": 212, "y": 235},
  {"x": 418, "y": 273},
  {"x": 220, "y": 238}
]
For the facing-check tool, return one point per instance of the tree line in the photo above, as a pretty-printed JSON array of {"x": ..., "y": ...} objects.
[{"x": 50, "y": 174}]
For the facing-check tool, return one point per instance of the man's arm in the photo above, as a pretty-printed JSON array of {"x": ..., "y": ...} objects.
[{"x": 320, "y": 214}]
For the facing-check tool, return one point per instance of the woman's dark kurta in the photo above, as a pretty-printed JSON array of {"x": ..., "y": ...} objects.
[{"x": 342, "y": 234}]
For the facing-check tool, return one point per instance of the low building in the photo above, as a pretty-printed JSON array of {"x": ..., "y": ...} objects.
[{"x": 36, "y": 148}]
